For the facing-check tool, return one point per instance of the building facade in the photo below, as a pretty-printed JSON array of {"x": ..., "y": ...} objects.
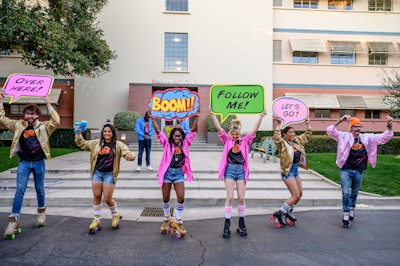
[{"x": 329, "y": 53}]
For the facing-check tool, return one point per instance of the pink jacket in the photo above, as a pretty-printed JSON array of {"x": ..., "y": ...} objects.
[
  {"x": 169, "y": 152},
  {"x": 228, "y": 142},
  {"x": 345, "y": 141}
]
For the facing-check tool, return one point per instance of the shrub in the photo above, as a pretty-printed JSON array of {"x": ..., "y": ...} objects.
[
  {"x": 125, "y": 121},
  {"x": 224, "y": 125}
]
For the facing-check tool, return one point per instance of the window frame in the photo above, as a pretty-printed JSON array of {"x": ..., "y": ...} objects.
[
  {"x": 340, "y": 4},
  {"x": 351, "y": 112},
  {"x": 387, "y": 5},
  {"x": 176, "y": 52},
  {"x": 308, "y": 4},
  {"x": 177, "y": 6},
  {"x": 321, "y": 112},
  {"x": 304, "y": 57},
  {"x": 343, "y": 58},
  {"x": 372, "y": 114}
]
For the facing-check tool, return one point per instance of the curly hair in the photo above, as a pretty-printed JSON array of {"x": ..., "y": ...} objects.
[
  {"x": 32, "y": 108},
  {"x": 236, "y": 125}
]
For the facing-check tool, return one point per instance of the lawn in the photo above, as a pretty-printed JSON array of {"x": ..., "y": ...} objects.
[
  {"x": 383, "y": 180},
  {"x": 7, "y": 163}
]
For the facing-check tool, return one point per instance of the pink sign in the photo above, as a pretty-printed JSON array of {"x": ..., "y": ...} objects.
[
  {"x": 27, "y": 85},
  {"x": 290, "y": 110}
]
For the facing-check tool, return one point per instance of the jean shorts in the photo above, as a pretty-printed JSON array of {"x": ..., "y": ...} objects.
[
  {"x": 234, "y": 171},
  {"x": 174, "y": 175},
  {"x": 106, "y": 178},
  {"x": 293, "y": 173}
]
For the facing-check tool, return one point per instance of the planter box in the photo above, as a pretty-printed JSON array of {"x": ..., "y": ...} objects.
[
  {"x": 130, "y": 136},
  {"x": 212, "y": 137}
]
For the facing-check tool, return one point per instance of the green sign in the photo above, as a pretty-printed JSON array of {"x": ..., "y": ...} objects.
[{"x": 237, "y": 99}]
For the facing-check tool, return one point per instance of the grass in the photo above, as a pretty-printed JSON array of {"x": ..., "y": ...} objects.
[
  {"x": 383, "y": 180},
  {"x": 7, "y": 163}
]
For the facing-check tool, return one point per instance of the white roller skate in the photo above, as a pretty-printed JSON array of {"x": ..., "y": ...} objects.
[
  {"x": 116, "y": 217},
  {"x": 166, "y": 225},
  {"x": 178, "y": 228},
  {"x": 12, "y": 228},
  {"x": 41, "y": 217},
  {"x": 346, "y": 223},
  {"x": 95, "y": 227}
]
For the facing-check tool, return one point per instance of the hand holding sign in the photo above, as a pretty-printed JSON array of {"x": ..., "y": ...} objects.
[
  {"x": 19, "y": 85},
  {"x": 175, "y": 103},
  {"x": 237, "y": 99},
  {"x": 290, "y": 110}
]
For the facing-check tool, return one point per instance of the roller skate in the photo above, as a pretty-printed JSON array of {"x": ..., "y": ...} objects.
[
  {"x": 352, "y": 213},
  {"x": 346, "y": 223},
  {"x": 279, "y": 217},
  {"x": 12, "y": 228},
  {"x": 242, "y": 230},
  {"x": 166, "y": 225},
  {"x": 116, "y": 217},
  {"x": 178, "y": 229},
  {"x": 95, "y": 227},
  {"x": 227, "y": 231},
  {"x": 290, "y": 218},
  {"x": 41, "y": 217}
]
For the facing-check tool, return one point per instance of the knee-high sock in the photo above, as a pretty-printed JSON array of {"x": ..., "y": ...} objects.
[
  {"x": 97, "y": 209},
  {"x": 179, "y": 210},
  {"x": 241, "y": 209},
  {"x": 166, "y": 209},
  {"x": 228, "y": 212}
]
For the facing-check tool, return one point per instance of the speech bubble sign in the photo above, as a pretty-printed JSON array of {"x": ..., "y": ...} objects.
[
  {"x": 27, "y": 85},
  {"x": 174, "y": 103},
  {"x": 290, "y": 110},
  {"x": 237, "y": 99}
]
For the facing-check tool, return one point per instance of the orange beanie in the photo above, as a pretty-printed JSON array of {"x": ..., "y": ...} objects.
[{"x": 354, "y": 121}]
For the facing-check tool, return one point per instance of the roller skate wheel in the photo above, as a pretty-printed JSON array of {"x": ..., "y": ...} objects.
[
  {"x": 291, "y": 223},
  {"x": 278, "y": 225},
  {"x": 272, "y": 218},
  {"x": 18, "y": 230}
]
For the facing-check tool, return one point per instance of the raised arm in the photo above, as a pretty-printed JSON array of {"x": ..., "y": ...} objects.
[
  {"x": 258, "y": 123},
  {"x": 195, "y": 123},
  {"x": 215, "y": 121}
]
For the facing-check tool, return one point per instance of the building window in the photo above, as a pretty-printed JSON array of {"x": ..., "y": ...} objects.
[
  {"x": 340, "y": 4},
  {"x": 177, "y": 5},
  {"x": 378, "y": 59},
  {"x": 380, "y": 5},
  {"x": 277, "y": 47},
  {"x": 176, "y": 52},
  {"x": 17, "y": 109},
  {"x": 343, "y": 58},
  {"x": 306, "y": 4},
  {"x": 350, "y": 112},
  {"x": 322, "y": 113},
  {"x": 305, "y": 57},
  {"x": 372, "y": 114},
  {"x": 277, "y": 3}
]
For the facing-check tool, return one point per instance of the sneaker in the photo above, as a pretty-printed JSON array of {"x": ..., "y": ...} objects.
[
  {"x": 139, "y": 168},
  {"x": 149, "y": 168}
]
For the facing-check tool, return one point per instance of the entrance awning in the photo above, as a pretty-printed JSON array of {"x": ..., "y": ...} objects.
[
  {"x": 382, "y": 47},
  {"x": 308, "y": 45},
  {"x": 54, "y": 97},
  {"x": 333, "y": 101},
  {"x": 345, "y": 47}
]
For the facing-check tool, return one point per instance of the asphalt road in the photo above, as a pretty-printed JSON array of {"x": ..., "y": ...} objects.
[{"x": 316, "y": 239}]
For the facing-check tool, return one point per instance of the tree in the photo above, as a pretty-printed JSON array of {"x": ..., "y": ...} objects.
[
  {"x": 60, "y": 35},
  {"x": 391, "y": 82}
]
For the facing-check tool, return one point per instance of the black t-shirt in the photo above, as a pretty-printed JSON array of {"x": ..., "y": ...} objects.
[
  {"x": 358, "y": 158},
  {"x": 297, "y": 155},
  {"x": 30, "y": 149},
  {"x": 105, "y": 161},
  {"x": 178, "y": 159},
  {"x": 235, "y": 155}
]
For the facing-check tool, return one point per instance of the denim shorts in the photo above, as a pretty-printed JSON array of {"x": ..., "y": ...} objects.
[
  {"x": 106, "y": 178},
  {"x": 174, "y": 175},
  {"x": 293, "y": 173},
  {"x": 234, "y": 171}
]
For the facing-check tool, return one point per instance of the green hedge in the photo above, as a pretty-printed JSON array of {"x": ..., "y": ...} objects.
[{"x": 63, "y": 138}]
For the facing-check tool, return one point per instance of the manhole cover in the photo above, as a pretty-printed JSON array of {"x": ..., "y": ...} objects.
[{"x": 154, "y": 212}]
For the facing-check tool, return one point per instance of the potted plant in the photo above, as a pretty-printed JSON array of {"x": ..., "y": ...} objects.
[{"x": 125, "y": 123}]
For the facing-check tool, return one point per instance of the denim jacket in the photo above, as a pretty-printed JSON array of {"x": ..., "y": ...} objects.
[{"x": 43, "y": 130}]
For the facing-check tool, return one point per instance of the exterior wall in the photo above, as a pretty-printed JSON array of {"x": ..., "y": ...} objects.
[
  {"x": 326, "y": 78},
  {"x": 229, "y": 43}
]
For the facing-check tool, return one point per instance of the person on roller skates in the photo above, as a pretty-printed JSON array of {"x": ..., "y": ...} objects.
[
  {"x": 292, "y": 156},
  {"x": 31, "y": 143},
  {"x": 105, "y": 157},
  {"x": 174, "y": 165},
  {"x": 354, "y": 151},
  {"x": 234, "y": 167}
]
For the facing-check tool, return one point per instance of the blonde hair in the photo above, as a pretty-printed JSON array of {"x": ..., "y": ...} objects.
[{"x": 235, "y": 125}]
